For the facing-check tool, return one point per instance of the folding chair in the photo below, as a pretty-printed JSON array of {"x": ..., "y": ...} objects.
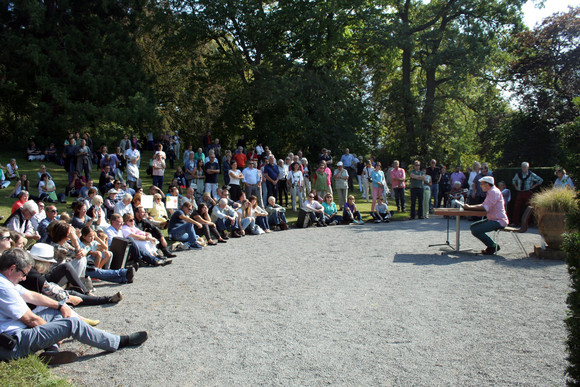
[{"x": 518, "y": 230}]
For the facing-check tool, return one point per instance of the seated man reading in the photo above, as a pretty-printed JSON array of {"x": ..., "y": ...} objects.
[{"x": 496, "y": 215}]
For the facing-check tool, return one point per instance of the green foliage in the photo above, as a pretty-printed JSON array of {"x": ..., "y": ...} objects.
[
  {"x": 529, "y": 137},
  {"x": 572, "y": 248},
  {"x": 570, "y": 142},
  {"x": 437, "y": 97},
  {"x": 29, "y": 371},
  {"x": 71, "y": 65},
  {"x": 545, "y": 72}
]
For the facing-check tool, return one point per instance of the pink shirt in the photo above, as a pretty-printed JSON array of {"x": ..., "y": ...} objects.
[
  {"x": 399, "y": 174},
  {"x": 494, "y": 205}
]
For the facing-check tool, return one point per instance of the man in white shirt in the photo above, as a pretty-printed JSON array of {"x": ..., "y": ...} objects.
[
  {"x": 251, "y": 179},
  {"x": 315, "y": 210},
  {"x": 133, "y": 154},
  {"x": 124, "y": 206},
  {"x": 226, "y": 218},
  {"x": 25, "y": 332}
]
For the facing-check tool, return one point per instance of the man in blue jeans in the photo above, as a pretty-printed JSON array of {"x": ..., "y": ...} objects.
[
  {"x": 24, "y": 332},
  {"x": 181, "y": 229},
  {"x": 497, "y": 218},
  {"x": 435, "y": 172}
]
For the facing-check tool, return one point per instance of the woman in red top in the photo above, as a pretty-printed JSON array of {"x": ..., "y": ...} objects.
[{"x": 22, "y": 198}]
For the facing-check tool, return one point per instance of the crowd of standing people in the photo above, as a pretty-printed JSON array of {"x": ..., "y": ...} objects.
[{"x": 73, "y": 249}]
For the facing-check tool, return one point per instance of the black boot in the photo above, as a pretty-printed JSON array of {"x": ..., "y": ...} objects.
[{"x": 167, "y": 253}]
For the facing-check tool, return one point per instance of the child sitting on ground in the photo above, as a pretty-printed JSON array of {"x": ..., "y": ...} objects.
[
  {"x": 381, "y": 213},
  {"x": 350, "y": 212}
]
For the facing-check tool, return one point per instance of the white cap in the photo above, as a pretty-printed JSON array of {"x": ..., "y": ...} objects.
[{"x": 488, "y": 180}]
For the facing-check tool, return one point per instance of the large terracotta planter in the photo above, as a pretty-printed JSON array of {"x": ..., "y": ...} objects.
[{"x": 552, "y": 225}]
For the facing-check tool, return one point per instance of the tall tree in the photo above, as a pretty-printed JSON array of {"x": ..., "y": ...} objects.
[{"x": 444, "y": 45}]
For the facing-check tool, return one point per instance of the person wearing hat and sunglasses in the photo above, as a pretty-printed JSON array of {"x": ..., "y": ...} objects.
[
  {"x": 497, "y": 218},
  {"x": 43, "y": 255}
]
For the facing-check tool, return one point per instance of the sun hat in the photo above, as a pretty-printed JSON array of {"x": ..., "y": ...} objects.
[
  {"x": 43, "y": 252},
  {"x": 112, "y": 191},
  {"x": 339, "y": 164}
]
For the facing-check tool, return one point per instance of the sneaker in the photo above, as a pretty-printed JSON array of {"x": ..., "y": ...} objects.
[
  {"x": 115, "y": 298},
  {"x": 377, "y": 221},
  {"x": 185, "y": 246},
  {"x": 92, "y": 323},
  {"x": 175, "y": 246}
]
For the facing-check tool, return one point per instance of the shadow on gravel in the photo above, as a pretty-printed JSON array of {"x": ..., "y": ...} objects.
[
  {"x": 443, "y": 259},
  {"x": 532, "y": 263},
  {"x": 450, "y": 258},
  {"x": 83, "y": 358}
]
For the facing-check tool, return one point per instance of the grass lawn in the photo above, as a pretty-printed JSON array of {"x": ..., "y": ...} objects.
[
  {"x": 29, "y": 371},
  {"x": 60, "y": 177}
]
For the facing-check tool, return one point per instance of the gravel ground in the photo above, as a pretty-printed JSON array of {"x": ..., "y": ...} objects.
[{"x": 348, "y": 305}]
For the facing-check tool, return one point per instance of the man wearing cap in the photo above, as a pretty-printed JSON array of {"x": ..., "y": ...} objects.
[
  {"x": 495, "y": 212},
  {"x": 110, "y": 202},
  {"x": 24, "y": 332},
  {"x": 341, "y": 179},
  {"x": 349, "y": 162}
]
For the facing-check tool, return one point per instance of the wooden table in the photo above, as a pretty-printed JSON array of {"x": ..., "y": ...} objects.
[{"x": 458, "y": 213}]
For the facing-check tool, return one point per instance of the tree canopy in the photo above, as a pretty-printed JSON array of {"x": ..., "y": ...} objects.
[{"x": 404, "y": 78}]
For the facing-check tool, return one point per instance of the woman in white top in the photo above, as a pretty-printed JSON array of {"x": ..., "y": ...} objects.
[
  {"x": 563, "y": 180},
  {"x": 246, "y": 220},
  {"x": 296, "y": 184},
  {"x": 47, "y": 190},
  {"x": 305, "y": 174},
  {"x": 99, "y": 214},
  {"x": 367, "y": 180},
  {"x": 235, "y": 176},
  {"x": 12, "y": 170}
]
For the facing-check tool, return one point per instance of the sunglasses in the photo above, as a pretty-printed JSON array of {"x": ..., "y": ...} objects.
[
  {"x": 3, "y": 238},
  {"x": 23, "y": 272}
]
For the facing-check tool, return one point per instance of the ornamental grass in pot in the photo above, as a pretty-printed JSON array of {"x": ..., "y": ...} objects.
[{"x": 551, "y": 207}]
